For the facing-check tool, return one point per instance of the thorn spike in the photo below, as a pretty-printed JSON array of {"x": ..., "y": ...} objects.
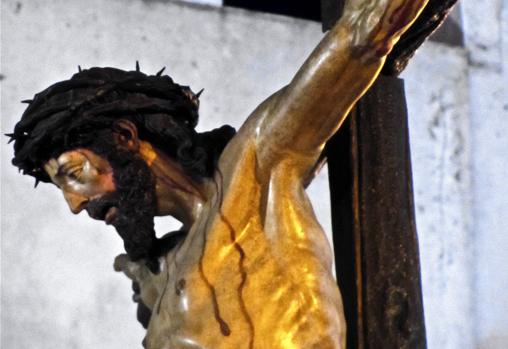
[
  {"x": 199, "y": 93},
  {"x": 79, "y": 68},
  {"x": 137, "y": 66},
  {"x": 159, "y": 73},
  {"x": 27, "y": 101},
  {"x": 37, "y": 181}
]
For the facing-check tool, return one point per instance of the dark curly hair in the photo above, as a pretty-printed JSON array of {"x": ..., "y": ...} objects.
[{"x": 74, "y": 113}]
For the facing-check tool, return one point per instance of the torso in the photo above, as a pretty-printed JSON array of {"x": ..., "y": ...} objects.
[{"x": 255, "y": 269}]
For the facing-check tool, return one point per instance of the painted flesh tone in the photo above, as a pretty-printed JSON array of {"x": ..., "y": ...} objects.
[{"x": 255, "y": 268}]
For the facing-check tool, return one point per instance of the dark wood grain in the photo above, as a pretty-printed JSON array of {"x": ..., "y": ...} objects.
[
  {"x": 331, "y": 10},
  {"x": 373, "y": 222},
  {"x": 374, "y": 231}
]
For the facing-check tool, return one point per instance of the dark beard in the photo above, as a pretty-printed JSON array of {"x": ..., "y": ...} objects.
[
  {"x": 136, "y": 202},
  {"x": 135, "y": 199}
]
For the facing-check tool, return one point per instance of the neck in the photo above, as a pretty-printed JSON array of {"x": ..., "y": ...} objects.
[{"x": 177, "y": 194}]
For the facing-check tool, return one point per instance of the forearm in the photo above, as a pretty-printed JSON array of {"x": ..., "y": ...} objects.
[{"x": 336, "y": 75}]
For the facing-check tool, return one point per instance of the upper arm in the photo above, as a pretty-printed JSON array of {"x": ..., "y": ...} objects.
[{"x": 306, "y": 113}]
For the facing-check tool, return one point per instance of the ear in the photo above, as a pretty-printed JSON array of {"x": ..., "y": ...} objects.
[{"x": 125, "y": 134}]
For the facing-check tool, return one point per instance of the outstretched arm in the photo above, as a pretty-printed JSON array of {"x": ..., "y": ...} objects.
[{"x": 306, "y": 113}]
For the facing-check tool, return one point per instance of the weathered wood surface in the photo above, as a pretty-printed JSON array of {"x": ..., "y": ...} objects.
[
  {"x": 391, "y": 286},
  {"x": 373, "y": 220}
]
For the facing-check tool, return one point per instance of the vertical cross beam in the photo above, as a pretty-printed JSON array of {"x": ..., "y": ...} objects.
[{"x": 373, "y": 221}]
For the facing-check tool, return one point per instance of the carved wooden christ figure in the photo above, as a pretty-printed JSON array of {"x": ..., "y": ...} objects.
[{"x": 251, "y": 267}]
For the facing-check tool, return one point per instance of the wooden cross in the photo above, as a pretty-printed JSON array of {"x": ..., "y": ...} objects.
[{"x": 374, "y": 231}]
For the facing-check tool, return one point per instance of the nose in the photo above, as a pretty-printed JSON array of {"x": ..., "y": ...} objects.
[{"x": 75, "y": 201}]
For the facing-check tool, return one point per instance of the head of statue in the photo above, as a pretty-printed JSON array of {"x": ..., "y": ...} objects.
[{"x": 98, "y": 136}]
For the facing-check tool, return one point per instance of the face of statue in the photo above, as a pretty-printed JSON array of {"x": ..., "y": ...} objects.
[
  {"x": 83, "y": 177},
  {"x": 116, "y": 187}
]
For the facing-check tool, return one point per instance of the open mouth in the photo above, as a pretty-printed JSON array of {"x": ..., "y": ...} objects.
[{"x": 111, "y": 215}]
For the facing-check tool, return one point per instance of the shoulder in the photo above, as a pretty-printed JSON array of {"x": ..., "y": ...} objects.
[
  {"x": 246, "y": 140},
  {"x": 259, "y": 139}
]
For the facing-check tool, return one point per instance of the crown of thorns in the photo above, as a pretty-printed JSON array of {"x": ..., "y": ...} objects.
[{"x": 89, "y": 101}]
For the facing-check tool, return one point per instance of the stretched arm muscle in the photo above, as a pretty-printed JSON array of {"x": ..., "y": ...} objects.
[{"x": 305, "y": 114}]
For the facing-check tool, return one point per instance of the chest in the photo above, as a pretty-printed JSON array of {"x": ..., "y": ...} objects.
[{"x": 248, "y": 268}]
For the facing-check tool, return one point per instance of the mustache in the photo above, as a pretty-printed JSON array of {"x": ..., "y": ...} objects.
[{"x": 97, "y": 208}]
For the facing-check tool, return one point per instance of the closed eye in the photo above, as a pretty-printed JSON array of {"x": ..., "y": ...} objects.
[{"x": 70, "y": 171}]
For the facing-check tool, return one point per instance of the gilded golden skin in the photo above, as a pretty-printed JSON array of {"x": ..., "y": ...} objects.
[{"x": 255, "y": 268}]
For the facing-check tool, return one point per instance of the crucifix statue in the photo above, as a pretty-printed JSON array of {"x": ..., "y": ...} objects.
[{"x": 251, "y": 266}]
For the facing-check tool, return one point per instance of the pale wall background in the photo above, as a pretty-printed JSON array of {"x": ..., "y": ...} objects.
[{"x": 58, "y": 286}]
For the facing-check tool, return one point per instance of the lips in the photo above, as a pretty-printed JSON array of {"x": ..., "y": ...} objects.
[{"x": 111, "y": 215}]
